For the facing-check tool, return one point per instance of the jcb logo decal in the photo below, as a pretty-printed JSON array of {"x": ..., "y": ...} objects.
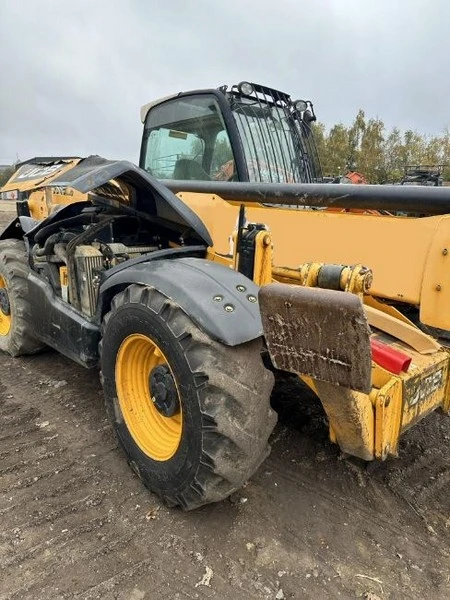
[
  {"x": 426, "y": 387},
  {"x": 34, "y": 172}
]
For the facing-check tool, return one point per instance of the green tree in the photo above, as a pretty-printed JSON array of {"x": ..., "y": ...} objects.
[
  {"x": 445, "y": 141},
  {"x": 392, "y": 156},
  {"x": 355, "y": 136},
  {"x": 320, "y": 138},
  {"x": 381, "y": 156},
  {"x": 433, "y": 151},
  {"x": 222, "y": 153},
  {"x": 337, "y": 150},
  {"x": 413, "y": 149},
  {"x": 371, "y": 155}
]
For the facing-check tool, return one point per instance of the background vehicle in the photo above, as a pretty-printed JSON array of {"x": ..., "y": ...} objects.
[
  {"x": 354, "y": 177},
  {"x": 349, "y": 177},
  {"x": 423, "y": 175}
]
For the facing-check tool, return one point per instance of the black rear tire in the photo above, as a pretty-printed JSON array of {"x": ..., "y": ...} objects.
[
  {"x": 15, "y": 300},
  {"x": 224, "y": 394}
]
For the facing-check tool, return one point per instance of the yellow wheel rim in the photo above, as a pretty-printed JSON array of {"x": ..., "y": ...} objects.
[
  {"x": 5, "y": 317},
  {"x": 156, "y": 435}
]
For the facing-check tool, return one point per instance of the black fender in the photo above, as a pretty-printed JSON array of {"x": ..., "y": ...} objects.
[
  {"x": 221, "y": 301},
  {"x": 60, "y": 326},
  {"x": 18, "y": 227},
  {"x": 12, "y": 231}
]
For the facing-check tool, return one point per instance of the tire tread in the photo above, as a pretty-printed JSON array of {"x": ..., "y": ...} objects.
[
  {"x": 14, "y": 267},
  {"x": 233, "y": 387}
]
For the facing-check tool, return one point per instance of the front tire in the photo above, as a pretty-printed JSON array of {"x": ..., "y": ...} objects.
[
  {"x": 16, "y": 337},
  {"x": 192, "y": 414}
]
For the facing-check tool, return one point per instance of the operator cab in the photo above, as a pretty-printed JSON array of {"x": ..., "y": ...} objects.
[{"x": 246, "y": 133}]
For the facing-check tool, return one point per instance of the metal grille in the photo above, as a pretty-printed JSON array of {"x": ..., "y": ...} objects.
[
  {"x": 312, "y": 156},
  {"x": 90, "y": 262},
  {"x": 277, "y": 148},
  {"x": 87, "y": 267}
]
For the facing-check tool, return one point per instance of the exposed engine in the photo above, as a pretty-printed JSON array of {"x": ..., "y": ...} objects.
[
  {"x": 91, "y": 261},
  {"x": 74, "y": 256}
]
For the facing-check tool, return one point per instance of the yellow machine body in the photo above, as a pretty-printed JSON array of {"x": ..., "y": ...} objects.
[{"x": 408, "y": 259}]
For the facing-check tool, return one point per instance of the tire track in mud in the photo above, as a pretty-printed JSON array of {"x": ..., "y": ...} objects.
[
  {"x": 49, "y": 459},
  {"x": 78, "y": 524},
  {"x": 364, "y": 502},
  {"x": 424, "y": 477},
  {"x": 368, "y": 516},
  {"x": 31, "y": 543},
  {"x": 47, "y": 534},
  {"x": 42, "y": 560},
  {"x": 355, "y": 519},
  {"x": 421, "y": 475},
  {"x": 24, "y": 446}
]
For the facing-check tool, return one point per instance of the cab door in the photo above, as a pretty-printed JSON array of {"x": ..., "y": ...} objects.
[{"x": 186, "y": 138}]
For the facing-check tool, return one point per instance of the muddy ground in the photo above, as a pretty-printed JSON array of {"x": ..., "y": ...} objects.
[{"x": 76, "y": 522}]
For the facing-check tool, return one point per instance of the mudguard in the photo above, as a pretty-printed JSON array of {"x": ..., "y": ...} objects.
[
  {"x": 20, "y": 227},
  {"x": 221, "y": 301},
  {"x": 12, "y": 231},
  {"x": 320, "y": 333}
]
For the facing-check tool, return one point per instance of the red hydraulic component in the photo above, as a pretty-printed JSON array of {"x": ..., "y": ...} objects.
[{"x": 389, "y": 358}]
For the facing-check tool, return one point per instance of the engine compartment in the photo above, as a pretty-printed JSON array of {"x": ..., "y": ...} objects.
[{"x": 73, "y": 253}]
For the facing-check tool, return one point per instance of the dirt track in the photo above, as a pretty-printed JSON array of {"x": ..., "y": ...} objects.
[{"x": 76, "y": 523}]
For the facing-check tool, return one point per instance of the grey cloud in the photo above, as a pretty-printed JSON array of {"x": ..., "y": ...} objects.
[{"x": 74, "y": 75}]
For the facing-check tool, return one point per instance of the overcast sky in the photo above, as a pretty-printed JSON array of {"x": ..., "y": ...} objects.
[{"x": 75, "y": 73}]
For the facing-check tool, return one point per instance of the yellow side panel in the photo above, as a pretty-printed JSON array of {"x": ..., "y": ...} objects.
[
  {"x": 43, "y": 201},
  {"x": 37, "y": 204},
  {"x": 220, "y": 218},
  {"x": 434, "y": 302},
  {"x": 406, "y": 255},
  {"x": 424, "y": 387},
  {"x": 394, "y": 248},
  {"x": 388, "y": 414}
]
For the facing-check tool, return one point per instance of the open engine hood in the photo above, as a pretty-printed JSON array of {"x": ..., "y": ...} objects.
[{"x": 144, "y": 194}]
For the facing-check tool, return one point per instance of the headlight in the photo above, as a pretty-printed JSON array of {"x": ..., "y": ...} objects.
[
  {"x": 245, "y": 88},
  {"x": 300, "y": 105}
]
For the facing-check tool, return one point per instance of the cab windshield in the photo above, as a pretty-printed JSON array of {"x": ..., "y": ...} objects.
[{"x": 274, "y": 144}]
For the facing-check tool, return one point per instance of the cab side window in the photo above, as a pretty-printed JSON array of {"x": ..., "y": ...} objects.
[{"x": 186, "y": 138}]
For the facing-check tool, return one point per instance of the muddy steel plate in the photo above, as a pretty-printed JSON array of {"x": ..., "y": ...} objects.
[{"x": 317, "y": 332}]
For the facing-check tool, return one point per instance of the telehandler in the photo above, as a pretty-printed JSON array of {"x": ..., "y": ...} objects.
[{"x": 190, "y": 303}]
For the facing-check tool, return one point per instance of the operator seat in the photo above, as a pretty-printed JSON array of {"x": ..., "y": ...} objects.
[{"x": 186, "y": 168}]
